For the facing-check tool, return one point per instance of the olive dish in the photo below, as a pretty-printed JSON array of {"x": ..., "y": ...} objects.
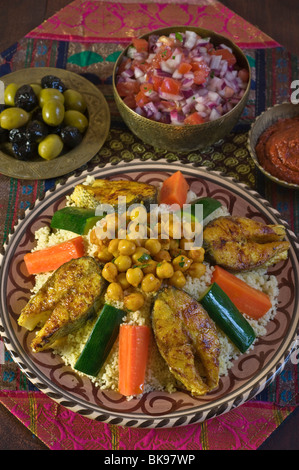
[{"x": 74, "y": 110}]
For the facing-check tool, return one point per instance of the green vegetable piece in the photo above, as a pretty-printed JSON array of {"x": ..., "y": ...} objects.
[
  {"x": 144, "y": 257},
  {"x": 179, "y": 37},
  {"x": 209, "y": 205},
  {"x": 75, "y": 219},
  {"x": 100, "y": 341},
  {"x": 227, "y": 317}
]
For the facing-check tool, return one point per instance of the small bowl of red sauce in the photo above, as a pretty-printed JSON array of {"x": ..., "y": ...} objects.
[{"x": 273, "y": 143}]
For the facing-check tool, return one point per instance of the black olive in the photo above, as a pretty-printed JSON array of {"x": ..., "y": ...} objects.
[
  {"x": 2, "y": 107},
  {"x": 25, "y": 150},
  {"x": 71, "y": 136},
  {"x": 50, "y": 81},
  {"x": 3, "y": 135},
  {"x": 36, "y": 131},
  {"x": 18, "y": 135},
  {"x": 37, "y": 114},
  {"x": 25, "y": 98},
  {"x": 54, "y": 129}
]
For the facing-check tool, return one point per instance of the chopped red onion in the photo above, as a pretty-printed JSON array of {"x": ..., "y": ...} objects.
[{"x": 221, "y": 92}]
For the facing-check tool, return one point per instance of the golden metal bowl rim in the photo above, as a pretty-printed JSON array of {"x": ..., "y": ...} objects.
[
  {"x": 170, "y": 29},
  {"x": 252, "y": 152}
]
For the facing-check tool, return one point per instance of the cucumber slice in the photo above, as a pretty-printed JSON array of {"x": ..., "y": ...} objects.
[
  {"x": 227, "y": 317},
  {"x": 100, "y": 341},
  {"x": 75, "y": 219}
]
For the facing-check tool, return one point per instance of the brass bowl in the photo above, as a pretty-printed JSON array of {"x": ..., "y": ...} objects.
[
  {"x": 191, "y": 137},
  {"x": 263, "y": 122}
]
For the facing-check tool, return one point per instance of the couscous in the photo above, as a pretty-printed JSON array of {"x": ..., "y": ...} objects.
[{"x": 158, "y": 375}]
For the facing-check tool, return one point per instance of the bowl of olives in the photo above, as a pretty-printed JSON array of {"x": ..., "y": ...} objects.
[{"x": 51, "y": 122}]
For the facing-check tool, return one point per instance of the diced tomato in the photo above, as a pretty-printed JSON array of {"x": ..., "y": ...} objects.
[
  {"x": 200, "y": 65},
  {"x": 166, "y": 40},
  {"x": 142, "y": 65},
  {"x": 200, "y": 77},
  {"x": 157, "y": 82},
  {"x": 141, "y": 99},
  {"x": 124, "y": 65},
  {"x": 163, "y": 54},
  {"x": 184, "y": 67},
  {"x": 141, "y": 45},
  {"x": 209, "y": 46},
  {"x": 171, "y": 86},
  {"x": 130, "y": 101},
  {"x": 244, "y": 75},
  {"x": 194, "y": 118},
  {"x": 146, "y": 87},
  {"x": 201, "y": 72},
  {"x": 127, "y": 88},
  {"x": 226, "y": 55},
  {"x": 168, "y": 105}
]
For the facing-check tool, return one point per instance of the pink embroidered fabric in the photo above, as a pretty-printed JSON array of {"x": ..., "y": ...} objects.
[
  {"x": 244, "y": 428},
  {"x": 104, "y": 21}
]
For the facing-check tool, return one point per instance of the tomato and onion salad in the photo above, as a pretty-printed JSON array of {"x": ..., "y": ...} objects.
[{"x": 180, "y": 79}]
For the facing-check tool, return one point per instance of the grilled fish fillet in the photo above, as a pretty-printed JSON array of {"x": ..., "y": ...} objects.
[
  {"x": 187, "y": 339},
  {"x": 107, "y": 192},
  {"x": 65, "y": 302},
  {"x": 242, "y": 244}
]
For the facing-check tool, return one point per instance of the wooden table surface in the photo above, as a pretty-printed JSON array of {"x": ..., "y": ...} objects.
[{"x": 279, "y": 19}]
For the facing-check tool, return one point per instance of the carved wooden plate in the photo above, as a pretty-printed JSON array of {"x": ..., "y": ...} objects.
[
  {"x": 249, "y": 374},
  {"x": 93, "y": 139}
]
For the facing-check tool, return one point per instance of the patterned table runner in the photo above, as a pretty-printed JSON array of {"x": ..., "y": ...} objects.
[{"x": 86, "y": 37}]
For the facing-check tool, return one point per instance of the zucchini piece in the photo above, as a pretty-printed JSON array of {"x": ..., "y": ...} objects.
[
  {"x": 100, "y": 341},
  {"x": 75, "y": 219},
  {"x": 209, "y": 205},
  {"x": 227, "y": 317}
]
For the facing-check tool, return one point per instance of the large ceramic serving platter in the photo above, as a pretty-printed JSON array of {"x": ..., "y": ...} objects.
[
  {"x": 93, "y": 139},
  {"x": 249, "y": 374}
]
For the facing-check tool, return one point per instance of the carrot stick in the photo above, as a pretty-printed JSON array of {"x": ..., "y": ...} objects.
[
  {"x": 133, "y": 354},
  {"x": 52, "y": 257},
  {"x": 174, "y": 190},
  {"x": 247, "y": 299}
]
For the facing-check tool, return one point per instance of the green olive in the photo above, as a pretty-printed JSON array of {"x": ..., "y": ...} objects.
[
  {"x": 9, "y": 94},
  {"x": 12, "y": 118},
  {"x": 74, "y": 100},
  {"x": 76, "y": 119},
  {"x": 50, "y": 147},
  {"x": 36, "y": 87},
  {"x": 53, "y": 112},
  {"x": 47, "y": 94}
]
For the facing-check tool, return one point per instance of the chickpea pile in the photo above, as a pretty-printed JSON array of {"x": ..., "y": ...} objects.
[{"x": 135, "y": 268}]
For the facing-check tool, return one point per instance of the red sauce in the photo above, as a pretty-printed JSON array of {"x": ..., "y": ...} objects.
[{"x": 278, "y": 150}]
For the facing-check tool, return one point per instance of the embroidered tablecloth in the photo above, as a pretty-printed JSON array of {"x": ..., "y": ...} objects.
[{"x": 86, "y": 37}]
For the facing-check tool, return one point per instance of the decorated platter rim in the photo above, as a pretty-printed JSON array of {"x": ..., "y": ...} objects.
[{"x": 189, "y": 415}]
